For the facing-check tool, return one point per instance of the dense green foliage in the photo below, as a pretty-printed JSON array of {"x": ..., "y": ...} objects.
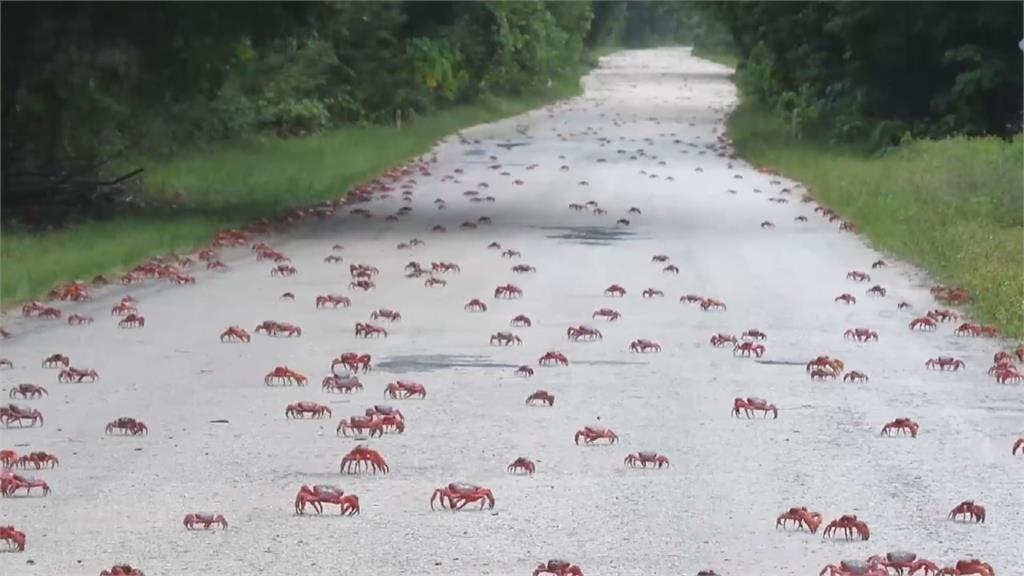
[
  {"x": 876, "y": 71},
  {"x": 83, "y": 82},
  {"x": 952, "y": 206}
]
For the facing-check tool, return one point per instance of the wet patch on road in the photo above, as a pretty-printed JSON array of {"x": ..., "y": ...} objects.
[
  {"x": 590, "y": 235},
  {"x": 428, "y": 362}
]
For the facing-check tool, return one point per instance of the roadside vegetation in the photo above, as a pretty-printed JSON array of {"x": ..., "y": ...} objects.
[
  {"x": 930, "y": 168},
  {"x": 185, "y": 199},
  {"x": 235, "y": 111}
]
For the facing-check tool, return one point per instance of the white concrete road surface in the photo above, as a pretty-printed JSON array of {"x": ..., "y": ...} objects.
[{"x": 642, "y": 135}]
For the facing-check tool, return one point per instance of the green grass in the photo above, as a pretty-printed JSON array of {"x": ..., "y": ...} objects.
[
  {"x": 722, "y": 57},
  {"x": 228, "y": 185},
  {"x": 953, "y": 207}
]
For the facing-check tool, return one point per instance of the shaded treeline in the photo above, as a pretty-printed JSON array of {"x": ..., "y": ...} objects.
[
  {"x": 877, "y": 71},
  {"x": 85, "y": 83}
]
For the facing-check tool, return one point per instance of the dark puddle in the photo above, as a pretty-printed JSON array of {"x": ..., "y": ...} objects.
[
  {"x": 432, "y": 362},
  {"x": 589, "y": 235}
]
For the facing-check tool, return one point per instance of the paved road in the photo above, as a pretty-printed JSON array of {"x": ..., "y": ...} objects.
[{"x": 641, "y": 136}]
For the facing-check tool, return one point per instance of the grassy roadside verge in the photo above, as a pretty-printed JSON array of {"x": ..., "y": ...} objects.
[
  {"x": 953, "y": 207},
  {"x": 230, "y": 184}
]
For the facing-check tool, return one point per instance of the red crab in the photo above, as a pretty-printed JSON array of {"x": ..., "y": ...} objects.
[
  {"x": 967, "y": 567},
  {"x": 234, "y": 334},
  {"x": 607, "y": 313},
  {"x": 523, "y": 269},
  {"x": 661, "y": 258},
  {"x": 126, "y": 425},
  {"x": 6, "y": 363},
  {"x": 37, "y": 460},
  {"x": 802, "y": 517},
  {"x": 365, "y": 424},
  {"x": 132, "y": 321},
  {"x": 494, "y": 246},
  {"x": 364, "y": 285},
  {"x": 900, "y": 425},
  {"x": 524, "y": 371},
  {"x": 8, "y": 458},
  {"x": 192, "y": 521},
  {"x": 845, "y": 299},
  {"x": 833, "y": 365},
  {"x": 671, "y": 269},
  {"x": 475, "y": 305},
  {"x": 557, "y": 568},
  {"x": 615, "y": 290},
  {"x": 353, "y": 361},
  {"x": 27, "y": 391},
  {"x": 876, "y": 290},
  {"x": 510, "y": 254},
  {"x": 51, "y": 313},
  {"x": 300, "y": 409},
  {"x": 10, "y": 483},
  {"x": 123, "y": 308},
  {"x": 943, "y": 315},
  {"x": 751, "y": 405},
  {"x": 522, "y": 465},
  {"x": 849, "y": 524},
  {"x": 341, "y": 384},
  {"x": 78, "y": 320},
  {"x": 361, "y": 458},
  {"x": 509, "y": 291},
  {"x": 283, "y": 270},
  {"x": 284, "y": 375},
  {"x": 755, "y": 334},
  {"x": 405, "y": 390},
  {"x": 643, "y": 345},
  {"x": 122, "y": 570},
  {"x": 14, "y": 413},
  {"x": 644, "y": 458},
  {"x": 855, "y": 376},
  {"x": 591, "y": 434},
  {"x": 273, "y": 328},
  {"x": 767, "y": 224},
  {"x": 966, "y": 509},
  {"x": 858, "y": 276},
  {"x": 386, "y": 314},
  {"x": 652, "y": 293},
  {"x": 521, "y": 321},
  {"x": 854, "y": 568},
  {"x": 456, "y": 495},
  {"x": 861, "y": 335},
  {"x": 33, "y": 308},
  {"x": 721, "y": 339},
  {"x": 320, "y": 494},
  {"x": 72, "y": 374},
  {"x": 542, "y": 397},
  {"x": 553, "y": 358},
  {"x": 333, "y": 300},
  {"x": 945, "y": 363},
  {"x": 333, "y": 259},
  {"x": 901, "y": 560},
  {"x": 577, "y": 333},
  {"x": 711, "y": 304},
  {"x": 15, "y": 539},
  {"x": 923, "y": 324},
  {"x": 444, "y": 267},
  {"x": 748, "y": 348},
  {"x": 366, "y": 330},
  {"x": 505, "y": 339}
]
